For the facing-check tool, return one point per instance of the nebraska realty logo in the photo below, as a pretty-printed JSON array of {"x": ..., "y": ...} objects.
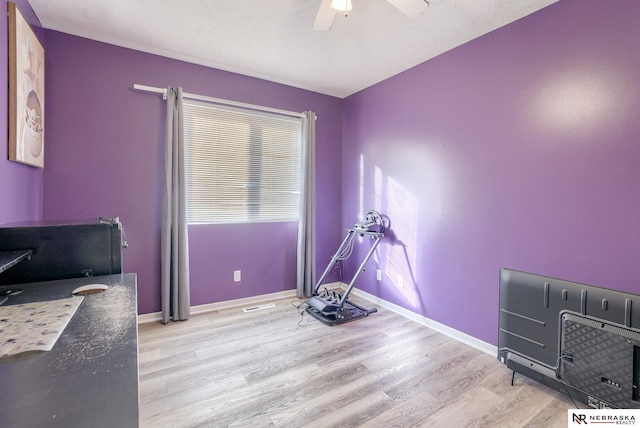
[{"x": 600, "y": 417}]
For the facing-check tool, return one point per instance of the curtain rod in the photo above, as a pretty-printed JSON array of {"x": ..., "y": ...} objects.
[{"x": 197, "y": 97}]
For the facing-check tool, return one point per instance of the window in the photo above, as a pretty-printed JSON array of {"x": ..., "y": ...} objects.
[{"x": 241, "y": 165}]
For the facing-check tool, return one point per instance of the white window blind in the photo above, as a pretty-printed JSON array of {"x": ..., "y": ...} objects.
[{"x": 241, "y": 165}]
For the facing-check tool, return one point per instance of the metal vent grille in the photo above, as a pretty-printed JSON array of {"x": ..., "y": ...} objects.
[{"x": 259, "y": 307}]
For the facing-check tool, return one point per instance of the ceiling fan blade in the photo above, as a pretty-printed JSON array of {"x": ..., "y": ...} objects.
[
  {"x": 411, "y": 8},
  {"x": 324, "y": 19}
]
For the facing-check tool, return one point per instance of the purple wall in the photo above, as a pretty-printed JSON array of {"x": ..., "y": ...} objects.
[
  {"x": 519, "y": 149},
  {"x": 21, "y": 184},
  {"x": 105, "y": 153}
]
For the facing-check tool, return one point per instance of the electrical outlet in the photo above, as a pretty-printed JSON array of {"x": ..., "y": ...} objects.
[
  {"x": 400, "y": 281},
  {"x": 237, "y": 276},
  {"x": 378, "y": 275}
]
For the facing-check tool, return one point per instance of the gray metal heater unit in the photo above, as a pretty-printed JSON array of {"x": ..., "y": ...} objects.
[{"x": 330, "y": 306}]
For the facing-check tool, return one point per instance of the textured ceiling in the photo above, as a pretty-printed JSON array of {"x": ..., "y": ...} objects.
[{"x": 274, "y": 40}]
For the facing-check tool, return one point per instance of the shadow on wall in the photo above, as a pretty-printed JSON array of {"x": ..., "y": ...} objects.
[
  {"x": 396, "y": 262},
  {"x": 397, "y": 257}
]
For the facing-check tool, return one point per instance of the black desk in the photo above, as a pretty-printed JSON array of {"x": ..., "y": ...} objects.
[{"x": 90, "y": 377}]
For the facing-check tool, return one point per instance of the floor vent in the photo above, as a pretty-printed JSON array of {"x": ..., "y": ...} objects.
[{"x": 259, "y": 307}]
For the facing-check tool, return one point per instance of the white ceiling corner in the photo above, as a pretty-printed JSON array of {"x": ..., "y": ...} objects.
[{"x": 274, "y": 39}]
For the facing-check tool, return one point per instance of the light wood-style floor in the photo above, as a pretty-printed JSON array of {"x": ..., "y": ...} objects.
[{"x": 263, "y": 369}]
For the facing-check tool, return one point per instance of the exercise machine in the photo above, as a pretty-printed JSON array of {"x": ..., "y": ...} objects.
[{"x": 330, "y": 306}]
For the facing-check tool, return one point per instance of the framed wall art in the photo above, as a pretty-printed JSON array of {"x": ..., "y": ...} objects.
[{"x": 26, "y": 92}]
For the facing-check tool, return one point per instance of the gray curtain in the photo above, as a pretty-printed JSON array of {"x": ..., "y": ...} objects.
[
  {"x": 307, "y": 223},
  {"x": 175, "y": 245}
]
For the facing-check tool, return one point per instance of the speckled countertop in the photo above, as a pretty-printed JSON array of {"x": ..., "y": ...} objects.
[{"x": 90, "y": 377}]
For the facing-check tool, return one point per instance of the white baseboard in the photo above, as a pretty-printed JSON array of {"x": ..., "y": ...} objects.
[
  {"x": 427, "y": 322},
  {"x": 210, "y": 307},
  {"x": 150, "y": 317}
]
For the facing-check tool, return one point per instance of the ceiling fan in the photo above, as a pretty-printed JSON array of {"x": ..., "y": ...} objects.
[{"x": 328, "y": 9}]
